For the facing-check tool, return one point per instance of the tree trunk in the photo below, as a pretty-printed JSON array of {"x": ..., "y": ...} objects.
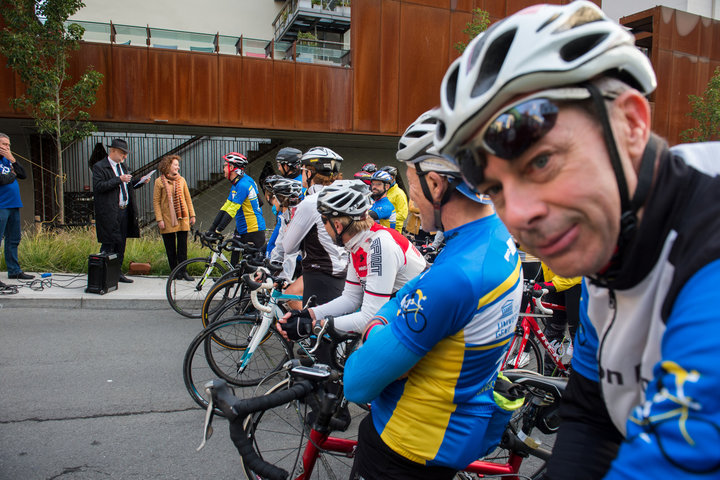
[{"x": 60, "y": 177}]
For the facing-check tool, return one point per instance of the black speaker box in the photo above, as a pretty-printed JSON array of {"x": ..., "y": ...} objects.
[{"x": 103, "y": 273}]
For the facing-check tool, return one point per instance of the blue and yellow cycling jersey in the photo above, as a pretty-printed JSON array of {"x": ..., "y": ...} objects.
[
  {"x": 456, "y": 319},
  {"x": 243, "y": 204},
  {"x": 385, "y": 211}
]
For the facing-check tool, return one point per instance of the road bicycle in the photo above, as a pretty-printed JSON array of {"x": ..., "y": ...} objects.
[
  {"x": 529, "y": 343},
  {"x": 243, "y": 349},
  {"x": 286, "y": 433},
  {"x": 186, "y": 296},
  {"x": 229, "y": 295}
]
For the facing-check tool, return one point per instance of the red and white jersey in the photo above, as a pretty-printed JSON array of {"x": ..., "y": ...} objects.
[{"x": 382, "y": 262}]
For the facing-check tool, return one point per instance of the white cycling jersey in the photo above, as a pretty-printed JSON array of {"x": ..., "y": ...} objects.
[
  {"x": 382, "y": 262},
  {"x": 278, "y": 253},
  {"x": 306, "y": 232}
]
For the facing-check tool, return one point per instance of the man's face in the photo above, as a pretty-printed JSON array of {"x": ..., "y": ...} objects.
[
  {"x": 229, "y": 171},
  {"x": 4, "y": 144},
  {"x": 427, "y": 215},
  {"x": 117, "y": 155},
  {"x": 560, "y": 198},
  {"x": 378, "y": 188}
]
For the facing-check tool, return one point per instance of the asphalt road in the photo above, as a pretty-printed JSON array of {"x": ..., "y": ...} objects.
[{"x": 99, "y": 394}]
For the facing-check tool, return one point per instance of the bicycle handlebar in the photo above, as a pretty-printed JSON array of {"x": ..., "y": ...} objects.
[{"x": 236, "y": 410}]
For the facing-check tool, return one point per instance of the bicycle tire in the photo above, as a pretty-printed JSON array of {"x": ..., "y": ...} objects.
[
  {"x": 206, "y": 359},
  {"x": 535, "y": 355},
  {"x": 233, "y": 307},
  {"x": 186, "y": 297},
  {"x": 280, "y": 434},
  {"x": 219, "y": 295}
]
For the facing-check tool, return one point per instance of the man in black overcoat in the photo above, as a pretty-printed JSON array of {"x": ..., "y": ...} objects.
[{"x": 116, "y": 216}]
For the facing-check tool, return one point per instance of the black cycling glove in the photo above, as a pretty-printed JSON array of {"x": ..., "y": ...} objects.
[{"x": 298, "y": 325}]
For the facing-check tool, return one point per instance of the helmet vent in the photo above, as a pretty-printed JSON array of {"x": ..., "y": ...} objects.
[
  {"x": 493, "y": 62},
  {"x": 548, "y": 22},
  {"x": 580, "y": 46},
  {"x": 580, "y": 17},
  {"x": 451, "y": 91}
]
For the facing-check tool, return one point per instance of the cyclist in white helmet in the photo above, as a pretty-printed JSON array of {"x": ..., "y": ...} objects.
[
  {"x": 324, "y": 264},
  {"x": 432, "y": 353},
  {"x": 381, "y": 260},
  {"x": 546, "y": 113}
]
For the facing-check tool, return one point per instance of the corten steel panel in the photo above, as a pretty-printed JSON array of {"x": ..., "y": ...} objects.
[
  {"x": 203, "y": 98},
  {"x": 706, "y": 33},
  {"x": 325, "y": 91},
  {"x": 388, "y": 67},
  {"x": 97, "y": 56},
  {"x": 686, "y": 32},
  {"x": 230, "y": 89},
  {"x": 284, "y": 94},
  {"x": 183, "y": 87},
  {"x": 714, "y": 41},
  {"x": 256, "y": 88},
  {"x": 682, "y": 86},
  {"x": 163, "y": 84},
  {"x": 129, "y": 84},
  {"x": 663, "y": 70},
  {"x": 463, "y": 5},
  {"x": 422, "y": 66},
  {"x": 496, "y": 9},
  {"x": 7, "y": 88},
  {"x": 458, "y": 23},
  {"x": 445, "y": 4},
  {"x": 664, "y": 27},
  {"x": 365, "y": 38}
]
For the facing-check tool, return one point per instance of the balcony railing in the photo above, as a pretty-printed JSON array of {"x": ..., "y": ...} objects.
[
  {"x": 328, "y": 11},
  {"x": 315, "y": 51}
]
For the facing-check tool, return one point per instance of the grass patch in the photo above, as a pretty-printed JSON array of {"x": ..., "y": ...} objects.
[{"x": 67, "y": 251}]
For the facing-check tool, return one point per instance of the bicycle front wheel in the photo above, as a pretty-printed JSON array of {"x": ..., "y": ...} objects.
[
  {"x": 208, "y": 358},
  {"x": 186, "y": 296},
  {"x": 280, "y": 436}
]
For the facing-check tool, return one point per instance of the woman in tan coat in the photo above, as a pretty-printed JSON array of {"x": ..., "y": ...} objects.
[{"x": 174, "y": 211}]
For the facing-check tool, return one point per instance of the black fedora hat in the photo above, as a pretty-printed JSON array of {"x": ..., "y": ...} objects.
[{"x": 120, "y": 144}]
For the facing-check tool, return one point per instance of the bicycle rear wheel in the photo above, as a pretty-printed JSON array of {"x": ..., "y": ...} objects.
[
  {"x": 206, "y": 358},
  {"x": 280, "y": 435},
  {"x": 530, "y": 358},
  {"x": 186, "y": 297}
]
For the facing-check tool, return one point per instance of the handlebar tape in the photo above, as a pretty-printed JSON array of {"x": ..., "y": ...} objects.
[{"x": 241, "y": 439}]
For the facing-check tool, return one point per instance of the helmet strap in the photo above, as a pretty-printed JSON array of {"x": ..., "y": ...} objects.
[
  {"x": 338, "y": 236},
  {"x": 629, "y": 207},
  {"x": 437, "y": 205}
]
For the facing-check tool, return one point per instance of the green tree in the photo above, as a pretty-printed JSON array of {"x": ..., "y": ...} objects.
[
  {"x": 479, "y": 23},
  {"x": 706, "y": 111},
  {"x": 37, "y": 41}
]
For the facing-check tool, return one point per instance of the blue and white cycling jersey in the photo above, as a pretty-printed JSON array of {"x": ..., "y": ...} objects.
[
  {"x": 648, "y": 342},
  {"x": 448, "y": 330},
  {"x": 385, "y": 211}
]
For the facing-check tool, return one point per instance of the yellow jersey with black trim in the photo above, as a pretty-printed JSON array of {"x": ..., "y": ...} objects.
[
  {"x": 459, "y": 316},
  {"x": 243, "y": 204}
]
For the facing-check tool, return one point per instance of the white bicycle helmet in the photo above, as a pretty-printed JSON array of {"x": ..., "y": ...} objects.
[
  {"x": 540, "y": 47},
  {"x": 416, "y": 148},
  {"x": 344, "y": 198},
  {"x": 323, "y": 160}
]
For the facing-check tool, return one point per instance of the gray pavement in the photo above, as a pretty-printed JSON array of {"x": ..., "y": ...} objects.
[{"x": 67, "y": 290}]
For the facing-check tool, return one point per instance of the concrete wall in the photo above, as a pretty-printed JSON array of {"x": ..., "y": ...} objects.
[
  {"x": 251, "y": 18},
  {"x": 616, "y": 9}
]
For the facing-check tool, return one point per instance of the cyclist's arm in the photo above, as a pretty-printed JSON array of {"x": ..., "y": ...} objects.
[
  {"x": 384, "y": 259},
  {"x": 273, "y": 236},
  {"x": 381, "y": 360},
  {"x": 348, "y": 301},
  {"x": 224, "y": 216},
  {"x": 677, "y": 431},
  {"x": 301, "y": 223}
]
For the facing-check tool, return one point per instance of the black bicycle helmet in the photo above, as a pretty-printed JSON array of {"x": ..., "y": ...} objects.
[
  {"x": 323, "y": 160},
  {"x": 289, "y": 156}
]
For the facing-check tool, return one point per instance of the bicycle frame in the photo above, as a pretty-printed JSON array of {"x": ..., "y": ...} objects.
[
  {"x": 528, "y": 323},
  {"x": 269, "y": 313},
  {"x": 213, "y": 260},
  {"x": 323, "y": 441}
]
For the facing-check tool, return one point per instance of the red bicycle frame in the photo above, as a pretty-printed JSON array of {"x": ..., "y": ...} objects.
[{"x": 322, "y": 441}]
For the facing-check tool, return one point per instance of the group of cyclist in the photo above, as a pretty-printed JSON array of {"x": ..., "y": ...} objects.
[{"x": 543, "y": 132}]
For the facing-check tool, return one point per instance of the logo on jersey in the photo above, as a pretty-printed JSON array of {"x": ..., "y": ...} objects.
[
  {"x": 376, "y": 257},
  {"x": 411, "y": 311}
]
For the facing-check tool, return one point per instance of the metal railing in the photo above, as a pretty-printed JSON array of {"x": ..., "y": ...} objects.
[
  {"x": 201, "y": 166},
  {"x": 318, "y": 51}
]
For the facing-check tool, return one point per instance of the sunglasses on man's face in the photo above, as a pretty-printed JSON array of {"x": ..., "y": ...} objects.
[{"x": 514, "y": 131}]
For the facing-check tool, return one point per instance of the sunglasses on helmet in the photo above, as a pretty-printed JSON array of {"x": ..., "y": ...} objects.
[{"x": 513, "y": 132}]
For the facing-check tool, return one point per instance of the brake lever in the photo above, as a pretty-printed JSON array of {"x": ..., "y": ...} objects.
[{"x": 209, "y": 414}]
